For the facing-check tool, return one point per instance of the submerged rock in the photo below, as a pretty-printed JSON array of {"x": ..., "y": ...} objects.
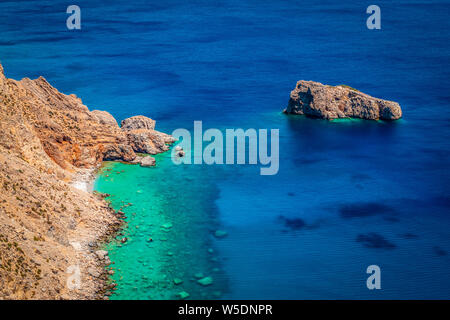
[
  {"x": 177, "y": 281},
  {"x": 374, "y": 240},
  {"x": 220, "y": 234},
  {"x": 183, "y": 295},
  {"x": 439, "y": 251},
  {"x": 332, "y": 102},
  {"x": 294, "y": 223},
  {"x": 205, "y": 281},
  {"x": 167, "y": 225}
]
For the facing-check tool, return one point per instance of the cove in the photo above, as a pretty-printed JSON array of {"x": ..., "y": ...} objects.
[{"x": 170, "y": 219}]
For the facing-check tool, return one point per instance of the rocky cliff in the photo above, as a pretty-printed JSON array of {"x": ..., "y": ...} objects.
[
  {"x": 47, "y": 227},
  {"x": 331, "y": 102}
]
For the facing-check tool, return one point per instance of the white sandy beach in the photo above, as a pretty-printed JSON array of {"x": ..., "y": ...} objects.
[{"x": 84, "y": 180}]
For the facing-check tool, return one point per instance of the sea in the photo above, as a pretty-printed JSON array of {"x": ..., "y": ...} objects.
[{"x": 349, "y": 194}]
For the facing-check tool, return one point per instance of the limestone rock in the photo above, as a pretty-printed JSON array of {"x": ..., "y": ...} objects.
[
  {"x": 146, "y": 161},
  {"x": 94, "y": 272},
  {"x": 104, "y": 117},
  {"x": 138, "y": 122},
  {"x": 331, "y": 102},
  {"x": 148, "y": 141},
  {"x": 118, "y": 152},
  {"x": 142, "y": 137},
  {"x": 101, "y": 254}
]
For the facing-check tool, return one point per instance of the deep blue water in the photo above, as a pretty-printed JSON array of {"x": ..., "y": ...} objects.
[{"x": 348, "y": 194}]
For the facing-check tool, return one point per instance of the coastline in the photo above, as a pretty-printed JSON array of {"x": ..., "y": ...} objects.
[
  {"x": 96, "y": 260},
  {"x": 48, "y": 205}
]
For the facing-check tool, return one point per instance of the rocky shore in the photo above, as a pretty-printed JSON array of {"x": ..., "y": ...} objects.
[
  {"x": 332, "y": 102},
  {"x": 51, "y": 226}
]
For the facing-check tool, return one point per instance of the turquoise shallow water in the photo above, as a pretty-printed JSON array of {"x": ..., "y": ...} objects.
[{"x": 169, "y": 231}]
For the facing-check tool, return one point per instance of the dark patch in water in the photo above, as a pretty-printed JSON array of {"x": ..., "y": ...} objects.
[
  {"x": 293, "y": 224},
  {"x": 360, "y": 177},
  {"x": 435, "y": 153},
  {"x": 291, "y": 194},
  {"x": 315, "y": 225},
  {"x": 361, "y": 210},
  {"x": 409, "y": 236},
  {"x": 375, "y": 241},
  {"x": 441, "y": 201},
  {"x": 439, "y": 251},
  {"x": 391, "y": 219},
  {"x": 307, "y": 160},
  {"x": 36, "y": 40}
]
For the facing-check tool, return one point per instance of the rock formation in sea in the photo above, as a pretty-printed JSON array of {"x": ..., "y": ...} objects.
[
  {"x": 49, "y": 230},
  {"x": 143, "y": 138},
  {"x": 331, "y": 102}
]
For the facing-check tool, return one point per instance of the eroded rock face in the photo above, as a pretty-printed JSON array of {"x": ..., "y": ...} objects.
[
  {"x": 122, "y": 152},
  {"x": 72, "y": 135},
  {"x": 104, "y": 117},
  {"x": 331, "y": 102},
  {"x": 143, "y": 138},
  {"x": 138, "y": 122},
  {"x": 149, "y": 141}
]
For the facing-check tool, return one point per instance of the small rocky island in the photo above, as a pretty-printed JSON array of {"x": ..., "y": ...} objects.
[{"x": 332, "y": 102}]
